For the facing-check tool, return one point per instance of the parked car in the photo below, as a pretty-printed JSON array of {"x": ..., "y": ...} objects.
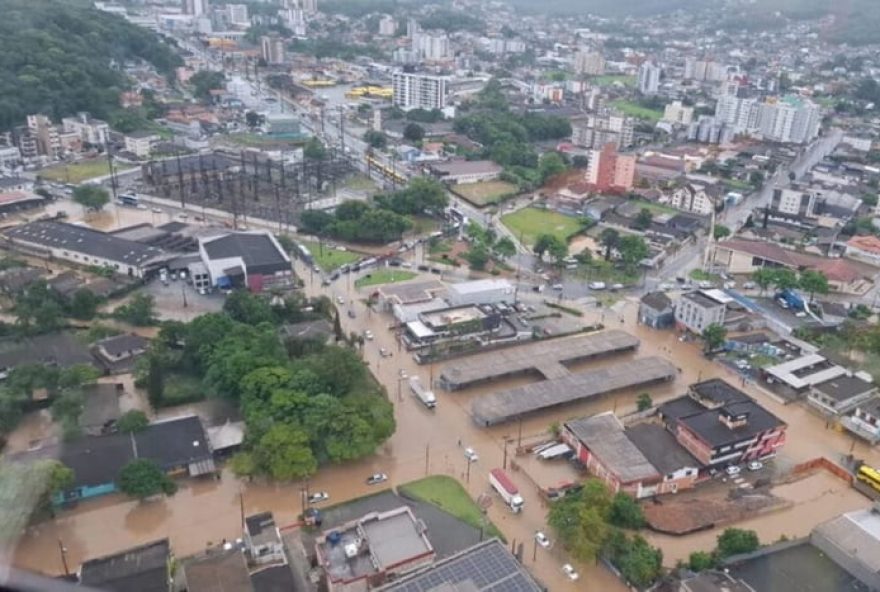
[
  {"x": 368, "y": 335},
  {"x": 319, "y": 496},
  {"x": 732, "y": 470},
  {"x": 340, "y": 300},
  {"x": 542, "y": 539},
  {"x": 351, "y": 314},
  {"x": 572, "y": 574},
  {"x": 557, "y": 287},
  {"x": 377, "y": 478},
  {"x": 596, "y": 285},
  {"x": 471, "y": 455},
  {"x": 384, "y": 352},
  {"x": 756, "y": 465}
]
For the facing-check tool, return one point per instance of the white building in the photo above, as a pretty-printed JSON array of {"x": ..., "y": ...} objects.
[
  {"x": 649, "y": 78},
  {"x": 697, "y": 310},
  {"x": 594, "y": 131},
  {"x": 790, "y": 120},
  {"x": 10, "y": 157},
  {"x": 678, "y": 114},
  {"x": 237, "y": 15},
  {"x": 195, "y": 7},
  {"x": 589, "y": 62},
  {"x": 387, "y": 26},
  {"x": 90, "y": 130},
  {"x": 272, "y": 49},
  {"x": 694, "y": 198},
  {"x": 418, "y": 91},
  {"x": 432, "y": 45},
  {"x": 704, "y": 70},
  {"x": 140, "y": 143},
  {"x": 488, "y": 291}
]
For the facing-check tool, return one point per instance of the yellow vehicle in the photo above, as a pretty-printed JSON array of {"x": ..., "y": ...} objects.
[
  {"x": 387, "y": 172},
  {"x": 870, "y": 476},
  {"x": 383, "y": 92}
]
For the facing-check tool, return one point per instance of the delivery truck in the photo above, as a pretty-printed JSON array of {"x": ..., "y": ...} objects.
[
  {"x": 426, "y": 396},
  {"x": 501, "y": 483}
]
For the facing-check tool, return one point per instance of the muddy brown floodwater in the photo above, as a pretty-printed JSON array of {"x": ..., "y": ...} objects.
[{"x": 205, "y": 512}]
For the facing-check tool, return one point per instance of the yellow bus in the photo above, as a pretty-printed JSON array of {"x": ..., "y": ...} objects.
[
  {"x": 870, "y": 476},
  {"x": 387, "y": 172}
]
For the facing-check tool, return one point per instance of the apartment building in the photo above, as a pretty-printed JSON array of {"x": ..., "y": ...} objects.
[
  {"x": 591, "y": 63},
  {"x": 649, "y": 78},
  {"x": 595, "y": 131},
  {"x": 418, "y": 91},
  {"x": 607, "y": 170}
]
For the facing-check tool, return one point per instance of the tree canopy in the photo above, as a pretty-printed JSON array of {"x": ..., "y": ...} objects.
[
  {"x": 91, "y": 197},
  {"x": 143, "y": 478}
]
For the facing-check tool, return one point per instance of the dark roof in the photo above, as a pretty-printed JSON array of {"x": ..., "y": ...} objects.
[
  {"x": 100, "y": 406},
  {"x": 122, "y": 344},
  {"x": 96, "y": 460},
  {"x": 174, "y": 442},
  {"x": 224, "y": 571},
  {"x": 751, "y": 338},
  {"x": 661, "y": 448},
  {"x": 258, "y": 251},
  {"x": 318, "y": 329},
  {"x": 871, "y": 407},
  {"x": 714, "y": 581},
  {"x": 277, "y": 578},
  {"x": 486, "y": 567},
  {"x": 257, "y": 523},
  {"x": 59, "y": 349},
  {"x": 801, "y": 568},
  {"x": 708, "y": 426},
  {"x": 677, "y": 408},
  {"x": 844, "y": 387},
  {"x": 657, "y": 300},
  {"x": 139, "y": 569},
  {"x": 702, "y": 300},
  {"x": 718, "y": 391}
]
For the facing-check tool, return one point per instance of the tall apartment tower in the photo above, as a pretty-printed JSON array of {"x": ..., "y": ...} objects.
[
  {"x": 649, "y": 78},
  {"x": 418, "y": 91}
]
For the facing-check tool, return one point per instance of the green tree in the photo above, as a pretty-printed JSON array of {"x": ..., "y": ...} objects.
[
  {"x": 138, "y": 311},
  {"x": 314, "y": 150},
  {"x": 550, "y": 165},
  {"x": 640, "y": 563},
  {"x": 700, "y": 560},
  {"x": 91, "y": 197},
  {"x": 785, "y": 279},
  {"x": 763, "y": 277},
  {"x": 551, "y": 244},
  {"x": 243, "y": 464},
  {"x": 253, "y": 119},
  {"x": 204, "y": 81},
  {"x": 632, "y": 250},
  {"x": 283, "y": 453},
  {"x": 626, "y": 512},
  {"x": 644, "y": 402},
  {"x": 756, "y": 178},
  {"x": 580, "y": 520},
  {"x": 643, "y": 219},
  {"x": 721, "y": 231},
  {"x": 39, "y": 309},
  {"x": 735, "y": 541},
  {"x": 477, "y": 256},
  {"x": 870, "y": 200},
  {"x": 143, "y": 478},
  {"x": 713, "y": 337},
  {"x": 813, "y": 282},
  {"x": 132, "y": 421},
  {"x": 610, "y": 239},
  {"x": 413, "y": 132},
  {"x": 57, "y": 478},
  {"x": 376, "y": 139},
  {"x": 248, "y": 308},
  {"x": 84, "y": 304},
  {"x": 504, "y": 248}
]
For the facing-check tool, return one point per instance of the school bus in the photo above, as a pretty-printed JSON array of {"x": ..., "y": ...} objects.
[{"x": 869, "y": 476}]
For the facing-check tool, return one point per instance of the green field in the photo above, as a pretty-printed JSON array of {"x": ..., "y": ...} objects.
[
  {"x": 77, "y": 172},
  {"x": 636, "y": 110},
  {"x": 609, "y": 79},
  {"x": 447, "y": 494},
  {"x": 388, "y": 275},
  {"x": 654, "y": 208},
  {"x": 530, "y": 223},
  {"x": 329, "y": 259},
  {"x": 485, "y": 193}
]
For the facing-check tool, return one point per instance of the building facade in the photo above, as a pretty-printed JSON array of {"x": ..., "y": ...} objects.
[
  {"x": 649, "y": 78},
  {"x": 418, "y": 91},
  {"x": 695, "y": 311}
]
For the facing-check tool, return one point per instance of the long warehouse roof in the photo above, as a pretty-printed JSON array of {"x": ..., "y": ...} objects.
[{"x": 506, "y": 405}]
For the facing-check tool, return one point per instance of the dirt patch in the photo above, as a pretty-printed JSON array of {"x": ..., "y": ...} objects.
[
  {"x": 485, "y": 193},
  {"x": 684, "y": 516}
]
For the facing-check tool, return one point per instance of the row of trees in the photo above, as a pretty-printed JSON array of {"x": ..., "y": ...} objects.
[
  {"x": 486, "y": 245},
  {"x": 733, "y": 541},
  {"x": 593, "y": 523},
  {"x": 811, "y": 281},
  {"x": 630, "y": 248}
]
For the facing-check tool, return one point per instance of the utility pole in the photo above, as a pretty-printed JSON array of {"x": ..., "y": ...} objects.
[
  {"x": 241, "y": 505},
  {"x": 467, "y": 477},
  {"x": 427, "y": 457},
  {"x": 506, "y": 442},
  {"x": 534, "y": 550},
  {"x": 519, "y": 435},
  {"x": 63, "y": 550}
]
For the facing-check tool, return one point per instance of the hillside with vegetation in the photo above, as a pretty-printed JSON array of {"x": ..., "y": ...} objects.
[{"x": 58, "y": 58}]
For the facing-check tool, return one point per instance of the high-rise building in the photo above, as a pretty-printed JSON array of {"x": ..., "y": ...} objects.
[
  {"x": 387, "y": 26},
  {"x": 272, "y": 49},
  {"x": 418, "y": 91},
  {"x": 40, "y": 138},
  {"x": 609, "y": 171},
  {"x": 432, "y": 45},
  {"x": 595, "y": 131},
  {"x": 309, "y": 6},
  {"x": 678, "y": 114},
  {"x": 590, "y": 63},
  {"x": 704, "y": 70},
  {"x": 789, "y": 119},
  {"x": 195, "y": 7},
  {"x": 649, "y": 78},
  {"x": 237, "y": 15}
]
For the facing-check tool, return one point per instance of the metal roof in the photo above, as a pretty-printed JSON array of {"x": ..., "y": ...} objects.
[{"x": 604, "y": 436}]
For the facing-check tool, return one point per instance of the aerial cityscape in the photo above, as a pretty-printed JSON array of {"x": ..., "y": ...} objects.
[{"x": 441, "y": 296}]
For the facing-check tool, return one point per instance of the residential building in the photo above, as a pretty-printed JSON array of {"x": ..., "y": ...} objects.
[
  {"x": 373, "y": 549},
  {"x": 789, "y": 119},
  {"x": 842, "y": 394},
  {"x": 387, "y": 26},
  {"x": 309, "y": 6},
  {"x": 100, "y": 408},
  {"x": 85, "y": 246},
  {"x": 195, "y": 7},
  {"x": 695, "y": 311},
  {"x": 466, "y": 171},
  {"x": 852, "y": 541},
  {"x": 8, "y": 184},
  {"x": 607, "y": 450},
  {"x": 468, "y": 570},
  {"x": 678, "y": 114},
  {"x": 864, "y": 421},
  {"x": 144, "y": 568},
  {"x": 595, "y": 131},
  {"x": 793, "y": 202},
  {"x": 418, "y": 91},
  {"x": 237, "y": 15},
  {"x": 252, "y": 260},
  {"x": 609, "y": 171},
  {"x": 864, "y": 248},
  {"x": 797, "y": 376},
  {"x": 58, "y": 350},
  {"x": 721, "y": 425},
  {"x": 431, "y": 45},
  {"x": 740, "y": 114},
  {"x": 95, "y": 132},
  {"x": 649, "y": 78},
  {"x": 10, "y": 157},
  {"x": 696, "y": 198},
  {"x": 217, "y": 570},
  {"x": 272, "y": 49},
  {"x": 40, "y": 138},
  {"x": 656, "y": 310},
  {"x": 263, "y": 539},
  {"x": 488, "y": 291},
  {"x": 119, "y": 352},
  {"x": 704, "y": 70},
  {"x": 588, "y": 62},
  {"x": 140, "y": 143}
]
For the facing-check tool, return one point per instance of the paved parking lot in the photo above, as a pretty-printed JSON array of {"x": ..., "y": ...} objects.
[{"x": 178, "y": 301}]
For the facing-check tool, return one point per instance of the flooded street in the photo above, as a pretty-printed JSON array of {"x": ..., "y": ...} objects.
[{"x": 427, "y": 442}]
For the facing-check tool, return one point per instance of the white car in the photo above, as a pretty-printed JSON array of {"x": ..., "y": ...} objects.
[
  {"x": 732, "y": 470},
  {"x": 319, "y": 496},
  {"x": 156, "y": 210},
  {"x": 542, "y": 539},
  {"x": 572, "y": 574},
  {"x": 756, "y": 465},
  {"x": 377, "y": 478},
  {"x": 384, "y": 352},
  {"x": 340, "y": 300},
  {"x": 471, "y": 455},
  {"x": 368, "y": 335}
]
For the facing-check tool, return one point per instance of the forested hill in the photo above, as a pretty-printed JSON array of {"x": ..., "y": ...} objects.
[{"x": 56, "y": 56}]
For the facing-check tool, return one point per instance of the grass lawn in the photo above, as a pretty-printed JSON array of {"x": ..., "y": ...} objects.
[
  {"x": 488, "y": 192},
  {"x": 77, "y": 172},
  {"x": 609, "y": 79},
  {"x": 359, "y": 182},
  {"x": 329, "y": 259},
  {"x": 389, "y": 275},
  {"x": 182, "y": 388},
  {"x": 447, "y": 494},
  {"x": 530, "y": 223},
  {"x": 423, "y": 224},
  {"x": 738, "y": 185},
  {"x": 701, "y": 276},
  {"x": 599, "y": 270},
  {"x": 636, "y": 110},
  {"x": 655, "y": 208}
]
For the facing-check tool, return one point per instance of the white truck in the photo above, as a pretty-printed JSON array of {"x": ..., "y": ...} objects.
[
  {"x": 501, "y": 483},
  {"x": 426, "y": 396}
]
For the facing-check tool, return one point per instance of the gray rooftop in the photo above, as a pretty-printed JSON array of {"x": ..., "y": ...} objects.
[
  {"x": 412, "y": 292},
  {"x": 845, "y": 387},
  {"x": 661, "y": 448},
  {"x": 604, "y": 436},
  {"x": 545, "y": 357},
  {"x": 506, "y": 405},
  {"x": 81, "y": 239},
  {"x": 396, "y": 538}
]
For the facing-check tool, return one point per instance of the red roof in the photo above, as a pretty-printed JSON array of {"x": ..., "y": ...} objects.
[
  {"x": 869, "y": 243},
  {"x": 836, "y": 270}
]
